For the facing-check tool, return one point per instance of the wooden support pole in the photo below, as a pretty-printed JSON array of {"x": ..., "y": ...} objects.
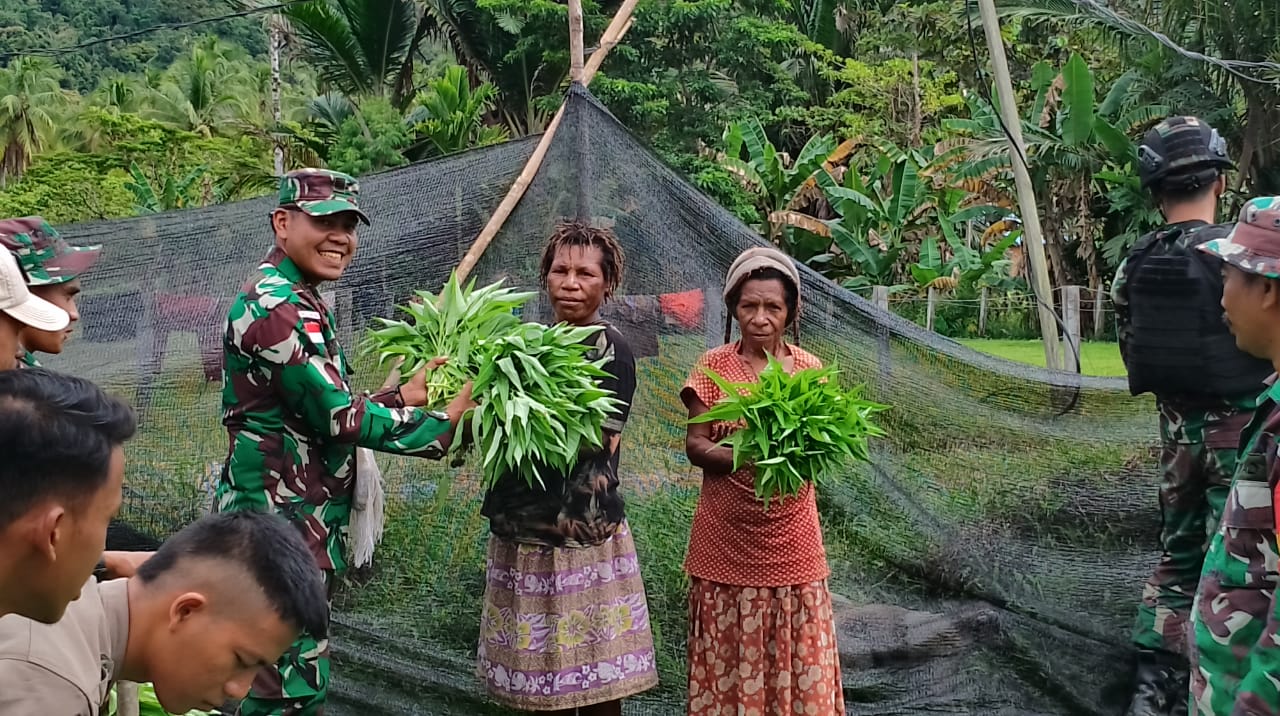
[
  {"x": 575, "y": 41},
  {"x": 612, "y": 35},
  {"x": 1032, "y": 237},
  {"x": 1071, "y": 319},
  {"x": 932, "y": 307},
  {"x": 982, "y": 311},
  {"x": 880, "y": 297},
  {"x": 581, "y": 140}
]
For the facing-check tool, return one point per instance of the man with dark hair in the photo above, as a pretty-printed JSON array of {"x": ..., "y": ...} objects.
[
  {"x": 53, "y": 268},
  {"x": 61, "y": 476},
  {"x": 1176, "y": 346},
  {"x": 1235, "y": 655},
  {"x": 293, "y": 419},
  {"x": 219, "y": 600}
]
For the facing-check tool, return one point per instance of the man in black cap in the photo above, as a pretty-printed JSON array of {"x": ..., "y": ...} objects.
[{"x": 1175, "y": 345}]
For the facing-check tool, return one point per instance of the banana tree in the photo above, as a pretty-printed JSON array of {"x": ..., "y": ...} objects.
[
  {"x": 781, "y": 186},
  {"x": 876, "y": 219},
  {"x": 1070, "y": 139},
  {"x": 173, "y": 192},
  {"x": 966, "y": 265}
]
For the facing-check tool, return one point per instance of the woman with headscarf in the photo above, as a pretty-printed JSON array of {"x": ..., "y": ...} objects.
[
  {"x": 565, "y": 627},
  {"x": 761, "y": 632}
]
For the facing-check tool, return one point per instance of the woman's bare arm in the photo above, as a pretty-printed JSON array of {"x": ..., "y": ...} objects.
[{"x": 704, "y": 452}]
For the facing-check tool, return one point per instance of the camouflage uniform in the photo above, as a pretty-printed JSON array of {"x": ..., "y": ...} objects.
[
  {"x": 45, "y": 257},
  {"x": 294, "y": 425},
  {"x": 1198, "y": 455},
  {"x": 1236, "y": 659}
]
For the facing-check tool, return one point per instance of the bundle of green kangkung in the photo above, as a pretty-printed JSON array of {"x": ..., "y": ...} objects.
[
  {"x": 539, "y": 401},
  {"x": 796, "y": 428}
]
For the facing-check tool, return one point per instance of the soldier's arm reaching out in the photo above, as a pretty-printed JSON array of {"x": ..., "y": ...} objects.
[{"x": 312, "y": 387}]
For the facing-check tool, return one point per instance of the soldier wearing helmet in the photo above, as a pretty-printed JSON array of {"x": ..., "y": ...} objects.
[{"x": 1175, "y": 345}]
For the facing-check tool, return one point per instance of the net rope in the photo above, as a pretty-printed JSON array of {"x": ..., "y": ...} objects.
[{"x": 988, "y": 561}]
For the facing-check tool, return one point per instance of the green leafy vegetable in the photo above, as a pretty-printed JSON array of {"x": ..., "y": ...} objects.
[
  {"x": 540, "y": 403},
  {"x": 798, "y": 427},
  {"x": 452, "y": 324}
]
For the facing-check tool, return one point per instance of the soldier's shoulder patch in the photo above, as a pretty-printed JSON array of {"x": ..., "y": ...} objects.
[{"x": 311, "y": 325}]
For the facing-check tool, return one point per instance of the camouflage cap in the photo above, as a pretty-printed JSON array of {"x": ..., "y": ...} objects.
[
  {"x": 45, "y": 257},
  {"x": 321, "y": 192},
  {"x": 1254, "y": 244},
  {"x": 1180, "y": 145}
]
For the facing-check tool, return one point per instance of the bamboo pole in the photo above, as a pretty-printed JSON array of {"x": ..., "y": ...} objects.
[
  {"x": 612, "y": 35},
  {"x": 1032, "y": 237},
  {"x": 575, "y": 40},
  {"x": 581, "y": 140}
]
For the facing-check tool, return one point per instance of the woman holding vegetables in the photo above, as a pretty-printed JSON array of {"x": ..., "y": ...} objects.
[
  {"x": 565, "y": 626},
  {"x": 761, "y": 633}
]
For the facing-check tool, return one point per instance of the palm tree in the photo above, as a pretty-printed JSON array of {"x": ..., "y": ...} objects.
[
  {"x": 372, "y": 47},
  {"x": 30, "y": 97},
  {"x": 360, "y": 47},
  {"x": 206, "y": 90}
]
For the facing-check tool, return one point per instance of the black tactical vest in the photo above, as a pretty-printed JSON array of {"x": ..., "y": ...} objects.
[{"x": 1180, "y": 346}]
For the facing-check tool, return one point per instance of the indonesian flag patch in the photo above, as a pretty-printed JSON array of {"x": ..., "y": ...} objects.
[{"x": 311, "y": 324}]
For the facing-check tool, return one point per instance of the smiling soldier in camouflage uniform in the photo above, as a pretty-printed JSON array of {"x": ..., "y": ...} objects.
[
  {"x": 53, "y": 269},
  {"x": 1176, "y": 346},
  {"x": 1236, "y": 660},
  {"x": 293, "y": 420}
]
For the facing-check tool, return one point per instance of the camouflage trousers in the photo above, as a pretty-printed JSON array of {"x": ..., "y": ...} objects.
[
  {"x": 1198, "y": 457},
  {"x": 297, "y": 684},
  {"x": 1235, "y": 665}
]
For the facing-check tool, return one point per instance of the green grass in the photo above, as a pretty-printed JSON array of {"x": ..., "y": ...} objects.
[{"x": 1095, "y": 358}]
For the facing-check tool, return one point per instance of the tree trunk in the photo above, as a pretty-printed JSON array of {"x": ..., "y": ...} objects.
[
  {"x": 277, "y": 44},
  {"x": 917, "y": 109},
  {"x": 1252, "y": 129}
]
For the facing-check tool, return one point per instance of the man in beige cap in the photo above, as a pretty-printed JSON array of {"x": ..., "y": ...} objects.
[
  {"x": 52, "y": 268},
  {"x": 19, "y": 309}
]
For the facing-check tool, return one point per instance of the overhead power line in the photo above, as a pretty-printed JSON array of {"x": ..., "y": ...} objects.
[
  {"x": 69, "y": 49},
  {"x": 1244, "y": 69}
]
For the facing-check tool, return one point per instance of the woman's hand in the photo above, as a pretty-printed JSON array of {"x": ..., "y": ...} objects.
[
  {"x": 701, "y": 449},
  {"x": 123, "y": 564},
  {"x": 460, "y": 404}
]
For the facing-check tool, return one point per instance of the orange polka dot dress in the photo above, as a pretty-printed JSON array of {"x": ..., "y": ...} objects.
[{"x": 761, "y": 631}]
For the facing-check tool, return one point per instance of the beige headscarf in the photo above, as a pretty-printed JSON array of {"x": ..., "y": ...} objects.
[{"x": 750, "y": 261}]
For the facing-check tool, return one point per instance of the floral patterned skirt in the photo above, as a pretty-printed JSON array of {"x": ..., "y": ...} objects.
[
  {"x": 564, "y": 628},
  {"x": 762, "y": 651}
]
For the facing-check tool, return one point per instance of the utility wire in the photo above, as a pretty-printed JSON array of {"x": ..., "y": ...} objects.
[
  {"x": 1101, "y": 13},
  {"x": 58, "y": 51}
]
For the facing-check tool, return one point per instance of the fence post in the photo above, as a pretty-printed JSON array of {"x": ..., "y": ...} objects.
[
  {"x": 933, "y": 305},
  {"x": 880, "y": 297},
  {"x": 884, "y": 354},
  {"x": 1071, "y": 319},
  {"x": 982, "y": 312},
  {"x": 1099, "y": 305}
]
